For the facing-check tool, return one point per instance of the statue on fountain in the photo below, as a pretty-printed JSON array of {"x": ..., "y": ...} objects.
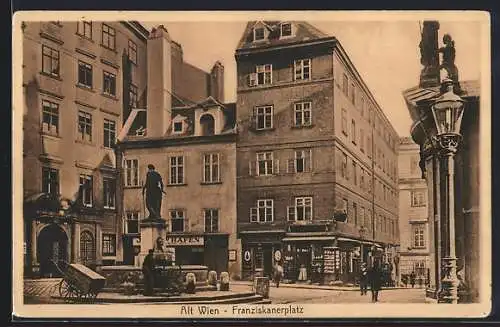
[
  {"x": 448, "y": 58},
  {"x": 153, "y": 189}
]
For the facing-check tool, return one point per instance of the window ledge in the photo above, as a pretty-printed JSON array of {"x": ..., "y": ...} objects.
[
  {"x": 108, "y": 48},
  {"x": 302, "y": 126},
  {"x": 109, "y": 209},
  {"x": 85, "y": 87},
  {"x": 85, "y": 142},
  {"x": 174, "y": 185},
  {"x": 263, "y": 130},
  {"x": 56, "y": 77},
  {"x": 50, "y": 135},
  {"x": 109, "y": 96},
  {"x": 132, "y": 186},
  {"x": 211, "y": 183},
  {"x": 85, "y": 37}
]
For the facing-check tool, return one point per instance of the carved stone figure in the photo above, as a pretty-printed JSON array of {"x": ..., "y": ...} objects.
[
  {"x": 153, "y": 188},
  {"x": 448, "y": 58},
  {"x": 429, "y": 56}
]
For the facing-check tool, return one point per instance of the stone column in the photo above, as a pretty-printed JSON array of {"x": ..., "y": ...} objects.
[{"x": 151, "y": 229}]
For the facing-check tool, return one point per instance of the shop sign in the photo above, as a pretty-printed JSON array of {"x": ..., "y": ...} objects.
[
  {"x": 277, "y": 255},
  {"x": 247, "y": 256},
  {"x": 136, "y": 241},
  {"x": 184, "y": 240}
]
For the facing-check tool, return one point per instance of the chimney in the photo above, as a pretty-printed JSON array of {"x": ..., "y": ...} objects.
[
  {"x": 159, "y": 88},
  {"x": 217, "y": 82}
]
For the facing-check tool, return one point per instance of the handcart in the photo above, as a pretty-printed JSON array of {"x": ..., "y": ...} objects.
[{"x": 79, "y": 283}]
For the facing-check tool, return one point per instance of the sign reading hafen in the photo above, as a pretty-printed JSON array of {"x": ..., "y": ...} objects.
[{"x": 183, "y": 240}]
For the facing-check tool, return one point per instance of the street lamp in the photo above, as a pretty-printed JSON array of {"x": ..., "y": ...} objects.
[{"x": 447, "y": 111}]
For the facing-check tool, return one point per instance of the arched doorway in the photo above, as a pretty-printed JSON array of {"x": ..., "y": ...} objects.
[
  {"x": 207, "y": 123},
  {"x": 52, "y": 247},
  {"x": 87, "y": 249}
]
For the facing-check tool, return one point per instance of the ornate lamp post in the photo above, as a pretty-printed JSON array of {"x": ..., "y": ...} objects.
[{"x": 447, "y": 111}]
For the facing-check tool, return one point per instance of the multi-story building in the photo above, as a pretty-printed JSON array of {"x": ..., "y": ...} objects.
[
  {"x": 190, "y": 138},
  {"x": 413, "y": 215},
  {"x": 76, "y": 86},
  {"x": 312, "y": 142}
]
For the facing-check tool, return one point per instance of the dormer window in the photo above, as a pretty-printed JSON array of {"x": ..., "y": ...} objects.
[
  {"x": 178, "y": 127},
  {"x": 286, "y": 29},
  {"x": 258, "y": 33}
]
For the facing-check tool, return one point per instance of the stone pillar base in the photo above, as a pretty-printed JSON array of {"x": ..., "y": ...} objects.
[{"x": 151, "y": 229}]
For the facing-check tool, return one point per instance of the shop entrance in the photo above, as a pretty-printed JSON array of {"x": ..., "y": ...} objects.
[{"x": 52, "y": 246}]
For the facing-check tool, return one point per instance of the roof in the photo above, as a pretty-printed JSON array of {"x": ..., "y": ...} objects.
[
  {"x": 470, "y": 88},
  {"x": 304, "y": 32}
]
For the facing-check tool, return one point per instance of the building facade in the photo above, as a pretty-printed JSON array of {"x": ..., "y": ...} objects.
[
  {"x": 413, "y": 215},
  {"x": 312, "y": 143},
  {"x": 190, "y": 138},
  {"x": 76, "y": 79}
]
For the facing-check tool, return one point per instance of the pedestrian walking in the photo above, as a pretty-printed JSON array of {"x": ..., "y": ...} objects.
[
  {"x": 363, "y": 279},
  {"x": 412, "y": 279},
  {"x": 278, "y": 274},
  {"x": 375, "y": 278},
  {"x": 148, "y": 266}
]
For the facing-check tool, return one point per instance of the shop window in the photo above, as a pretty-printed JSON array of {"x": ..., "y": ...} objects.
[
  {"x": 108, "y": 244},
  {"x": 87, "y": 248}
]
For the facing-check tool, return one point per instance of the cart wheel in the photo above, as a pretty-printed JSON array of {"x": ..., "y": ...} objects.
[{"x": 65, "y": 290}]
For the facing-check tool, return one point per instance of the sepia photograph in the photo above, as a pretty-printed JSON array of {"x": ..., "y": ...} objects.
[{"x": 267, "y": 164}]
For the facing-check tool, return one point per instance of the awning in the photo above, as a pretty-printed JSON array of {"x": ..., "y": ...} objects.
[{"x": 309, "y": 238}]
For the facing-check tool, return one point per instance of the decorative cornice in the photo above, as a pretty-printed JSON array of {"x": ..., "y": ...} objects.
[
  {"x": 85, "y": 53},
  {"x": 85, "y": 104},
  {"x": 51, "y": 38},
  {"x": 109, "y": 63},
  {"x": 52, "y": 94},
  {"x": 109, "y": 112}
]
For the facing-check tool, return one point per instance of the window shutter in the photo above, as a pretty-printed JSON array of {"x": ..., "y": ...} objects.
[
  {"x": 290, "y": 213},
  {"x": 252, "y": 79},
  {"x": 290, "y": 166},
  {"x": 253, "y": 120},
  {"x": 253, "y": 214},
  {"x": 309, "y": 162},
  {"x": 276, "y": 166},
  {"x": 251, "y": 167}
]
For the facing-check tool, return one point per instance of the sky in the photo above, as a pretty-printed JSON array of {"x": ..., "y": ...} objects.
[{"x": 385, "y": 53}]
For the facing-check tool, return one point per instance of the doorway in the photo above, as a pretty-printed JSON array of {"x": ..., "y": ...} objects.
[{"x": 52, "y": 247}]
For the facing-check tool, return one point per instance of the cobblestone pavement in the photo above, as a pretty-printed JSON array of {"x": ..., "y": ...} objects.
[
  {"x": 41, "y": 287},
  {"x": 294, "y": 295}
]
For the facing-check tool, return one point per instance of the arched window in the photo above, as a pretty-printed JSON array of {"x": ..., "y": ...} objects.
[
  {"x": 207, "y": 123},
  {"x": 87, "y": 248}
]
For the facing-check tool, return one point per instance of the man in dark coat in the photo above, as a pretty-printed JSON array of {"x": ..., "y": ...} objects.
[
  {"x": 148, "y": 266},
  {"x": 375, "y": 277},
  {"x": 153, "y": 189},
  {"x": 363, "y": 279},
  {"x": 412, "y": 279}
]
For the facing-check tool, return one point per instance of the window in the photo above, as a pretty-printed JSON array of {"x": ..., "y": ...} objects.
[
  {"x": 345, "y": 84},
  {"x": 84, "y": 126},
  {"x": 363, "y": 219},
  {"x": 50, "y": 61},
  {"x": 50, "y": 180},
  {"x": 84, "y": 28},
  {"x": 302, "y": 210},
  {"x": 418, "y": 235},
  {"x": 50, "y": 117},
  {"x": 177, "y": 221},
  {"x": 302, "y": 161},
  {"x": 302, "y": 69},
  {"x": 109, "y": 83},
  {"x": 369, "y": 220},
  {"x": 345, "y": 208},
  {"x": 286, "y": 29},
  {"x": 264, "y": 74},
  {"x": 264, "y": 212},
  {"x": 132, "y": 51},
  {"x": 263, "y": 117},
  {"x": 109, "y": 133},
  {"x": 355, "y": 172},
  {"x": 362, "y": 106},
  {"x": 132, "y": 223},
  {"x": 258, "y": 34},
  {"x": 417, "y": 199},
  {"x": 84, "y": 74},
  {"x": 353, "y": 94},
  {"x": 353, "y": 131},
  {"x": 303, "y": 114},
  {"x": 362, "y": 140},
  {"x": 420, "y": 269},
  {"x": 178, "y": 127},
  {"x": 108, "y": 36},
  {"x": 211, "y": 168},
  {"x": 108, "y": 244},
  {"x": 264, "y": 163},
  {"x": 133, "y": 96},
  {"x": 343, "y": 167},
  {"x": 131, "y": 172},
  {"x": 109, "y": 191},
  {"x": 362, "y": 179},
  {"x": 369, "y": 146},
  {"x": 355, "y": 213},
  {"x": 86, "y": 188},
  {"x": 176, "y": 170},
  {"x": 344, "y": 121},
  {"x": 211, "y": 220},
  {"x": 87, "y": 248}
]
